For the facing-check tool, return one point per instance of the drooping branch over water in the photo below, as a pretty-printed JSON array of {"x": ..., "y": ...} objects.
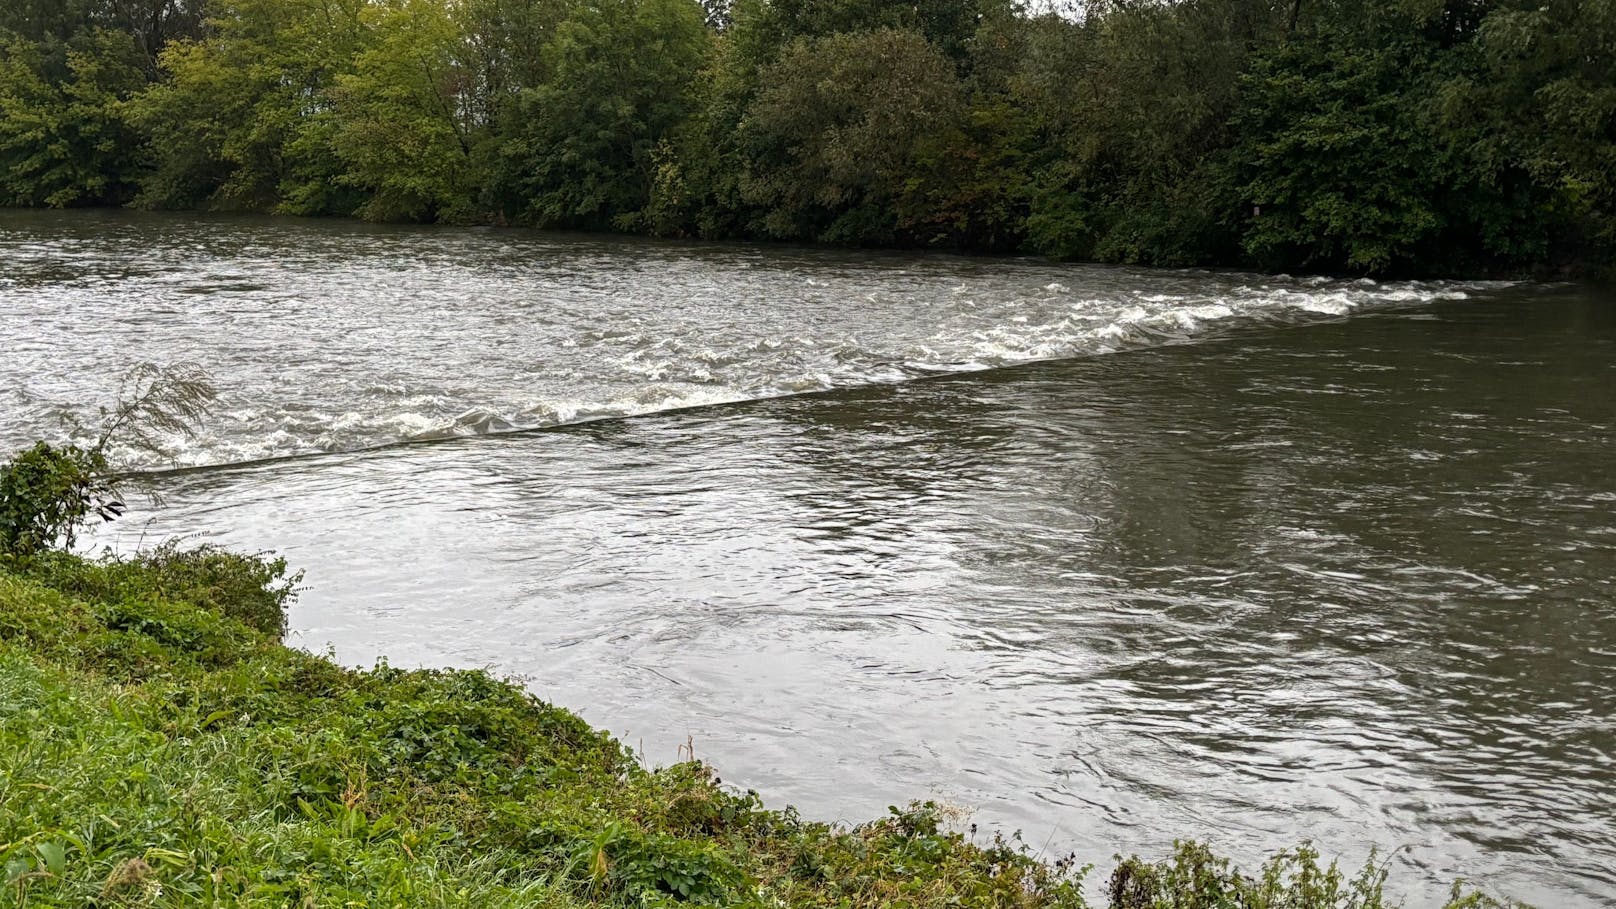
[
  {"x": 49, "y": 493},
  {"x": 157, "y": 401},
  {"x": 1361, "y": 136}
]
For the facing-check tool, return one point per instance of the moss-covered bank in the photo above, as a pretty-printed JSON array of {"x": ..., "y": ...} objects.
[{"x": 159, "y": 746}]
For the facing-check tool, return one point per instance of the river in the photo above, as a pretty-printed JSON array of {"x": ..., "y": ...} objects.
[{"x": 1108, "y": 555}]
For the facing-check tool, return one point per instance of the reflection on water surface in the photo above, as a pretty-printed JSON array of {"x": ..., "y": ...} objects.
[{"x": 1351, "y": 579}]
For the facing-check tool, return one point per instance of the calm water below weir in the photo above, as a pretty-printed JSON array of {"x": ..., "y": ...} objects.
[{"x": 1109, "y": 556}]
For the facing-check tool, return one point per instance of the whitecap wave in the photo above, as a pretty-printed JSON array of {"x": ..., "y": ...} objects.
[{"x": 324, "y": 346}]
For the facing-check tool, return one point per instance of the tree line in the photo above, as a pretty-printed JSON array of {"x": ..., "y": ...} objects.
[{"x": 1429, "y": 137}]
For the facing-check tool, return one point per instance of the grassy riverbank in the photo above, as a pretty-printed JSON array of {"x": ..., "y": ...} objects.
[{"x": 160, "y": 746}]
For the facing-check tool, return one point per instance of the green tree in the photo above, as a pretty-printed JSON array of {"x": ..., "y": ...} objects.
[
  {"x": 503, "y": 43},
  {"x": 403, "y": 126},
  {"x": 696, "y": 184},
  {"x": 836, "y": 128},
  {"x": 581, "y": 148},
  {"x": 240, "y": 121},
  {"x": 67, "y": 140},
  {"x": 1338, "y": 169},
  {"x": 1133, "y": 102},
  {"x": 967, "y": 187},
  {"x": 1539, "y": 113},
  {"x": 766, "y": 29},
  {"x": 149, "y": 24},
  {"x": 1377, "y": 141}
]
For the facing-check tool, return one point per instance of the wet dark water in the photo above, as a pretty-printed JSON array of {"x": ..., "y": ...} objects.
[{"x": 1221, "y": 556}]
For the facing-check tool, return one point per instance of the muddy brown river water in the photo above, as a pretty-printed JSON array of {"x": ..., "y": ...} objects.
[{"x": 1110, "y": 556}]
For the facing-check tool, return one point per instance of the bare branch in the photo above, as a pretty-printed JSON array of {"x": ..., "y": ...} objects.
[{"x": 156, "y": 401}]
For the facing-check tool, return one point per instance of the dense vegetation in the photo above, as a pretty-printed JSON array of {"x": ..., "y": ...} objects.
[
  {"x": 1364, "y": 136},
  {"x": 160, "y": 747}
]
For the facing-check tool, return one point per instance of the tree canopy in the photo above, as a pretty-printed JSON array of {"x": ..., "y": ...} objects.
[{"x": 1438, "y": 137}]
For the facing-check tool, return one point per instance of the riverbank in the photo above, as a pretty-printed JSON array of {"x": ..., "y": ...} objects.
[
  {"x": 159, "y": 745},
  {"x": 1569, "y": 271},
  {"x": 1196, "y": 134}
]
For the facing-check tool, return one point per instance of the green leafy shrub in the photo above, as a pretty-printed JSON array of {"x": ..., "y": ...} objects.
[
  {"x": 47, "y": 493},
  {"x": 253, "y": 589}
]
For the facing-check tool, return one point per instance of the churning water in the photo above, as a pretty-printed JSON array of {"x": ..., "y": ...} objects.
[{"x": 1306, "y": 558}]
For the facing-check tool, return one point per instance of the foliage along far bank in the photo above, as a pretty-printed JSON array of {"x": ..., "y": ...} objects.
[{"x": 1430, "y": 137}]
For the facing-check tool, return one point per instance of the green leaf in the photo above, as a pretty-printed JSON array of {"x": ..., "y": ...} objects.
[{"x": 54, "y": 855}]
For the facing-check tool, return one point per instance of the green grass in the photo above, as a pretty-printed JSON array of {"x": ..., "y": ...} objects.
[{"x": 160, "y": 747}]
